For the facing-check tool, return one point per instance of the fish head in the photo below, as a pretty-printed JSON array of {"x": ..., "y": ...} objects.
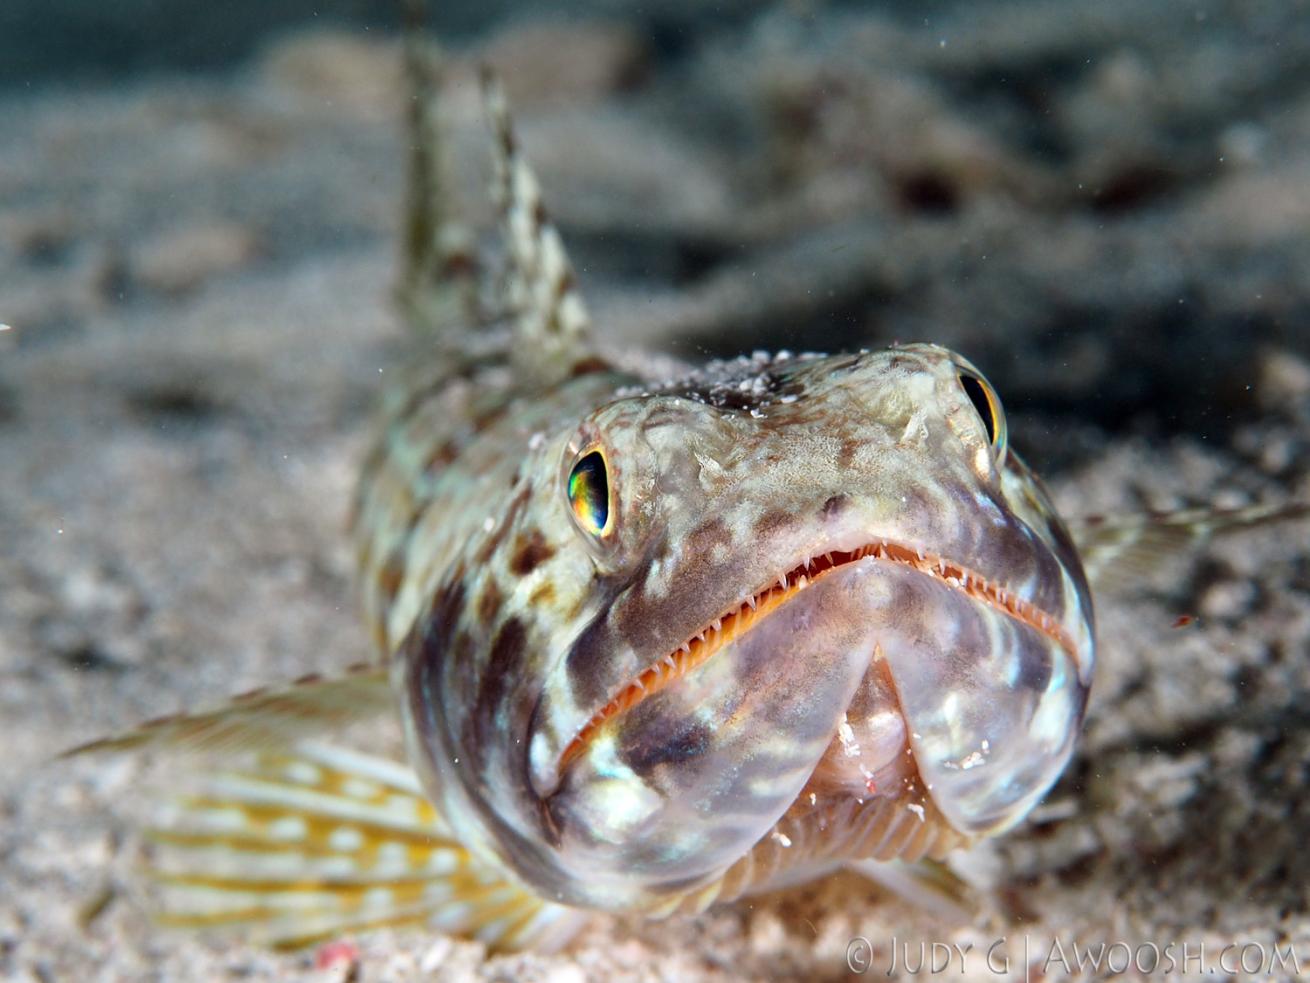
[{"x": 826, "y": 577}]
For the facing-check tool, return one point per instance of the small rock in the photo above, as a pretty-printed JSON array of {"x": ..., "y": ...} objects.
[
  {"x": 561, "y": 63},
  {"x": 182, "y": 260},
  {"x": 1284, "y": 379},
  {"x": 340, "y": 71},
  {"x": 1229, "y": 599}
]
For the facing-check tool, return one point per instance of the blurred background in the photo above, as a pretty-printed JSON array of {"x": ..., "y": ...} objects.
[{"x": 1105, "y": 206}]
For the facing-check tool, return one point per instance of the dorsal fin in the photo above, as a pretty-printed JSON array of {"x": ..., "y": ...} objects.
[
  {"x": 551, "y": 324},
  {"x": 437, "y": 289}
]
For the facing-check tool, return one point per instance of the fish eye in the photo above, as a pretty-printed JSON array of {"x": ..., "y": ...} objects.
[
  {"x": 589, "y": 493},
  {"x": 988, "y": 405}
]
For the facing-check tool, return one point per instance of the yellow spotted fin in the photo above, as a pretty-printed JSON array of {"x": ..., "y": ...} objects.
[
  {"x": 1118, "y": 551},
  {"x": 309, "y": 706},
  {"x": 304, "y": 844}
]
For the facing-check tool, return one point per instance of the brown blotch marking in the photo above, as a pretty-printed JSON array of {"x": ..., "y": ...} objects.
[
  {"x": 850, "y": 446},
  {"x": 588, "y": 365},
  {"x": 835, "y": 505},
  {"x": 392, "y": 573},
  {"x": 587, "y": 661},
  {"x": 544, "y": 594},
  {"x": 687, "y": 741},
  {"x": 771, "y": 522},
  {"x": 428, "y": 649},
  {"x": 489, "y": 602},
  {"x": 484, "y": 419},
  {"x": 707, "y": 535},
  {"x": 530, "y": 552},
  {"x": 443, "y": 456},
  {"x": 504, "y": 666},
  {"x": 496, "y": 538},
  {"x": 307, "y": 679}
]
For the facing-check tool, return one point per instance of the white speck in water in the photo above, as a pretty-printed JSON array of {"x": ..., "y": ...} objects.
[
  {"x": 5, "y": 327},
  {"x": 941, "y": 43},
  {"x": 488, "y": 524}
]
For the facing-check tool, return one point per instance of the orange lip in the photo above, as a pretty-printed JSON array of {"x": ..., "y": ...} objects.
[{"x": 725, "y": 629}]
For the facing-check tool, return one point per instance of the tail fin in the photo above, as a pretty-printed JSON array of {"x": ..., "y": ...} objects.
[
  {"x": 552, "y": 326},
  {"x": 1125, "y": 549},
  {"x": 315, "y": 841}
]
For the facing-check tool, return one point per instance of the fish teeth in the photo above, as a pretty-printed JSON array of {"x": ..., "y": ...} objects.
[
  {"x": 717, "y": 624},
  {"x": 684, "y": 647},
  {"x": 801, "y": 581},
  {"x": 751, "y": 601},
  {"x": 782, "y": 581}
]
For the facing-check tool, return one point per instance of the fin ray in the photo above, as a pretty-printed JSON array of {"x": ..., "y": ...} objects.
[
  {"x": 317, "y": 841},
  {"x": 1119, "y": 551},
  {"x": 311, "y": 705}
]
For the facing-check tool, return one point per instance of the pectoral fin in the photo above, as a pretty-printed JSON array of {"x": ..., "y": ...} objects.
[
  {"x": 312, "y": 705},
  {"x": 313, "y": 841},
  {"x": 927, "y": 884},
  {"x": 1120, "y": 551}
]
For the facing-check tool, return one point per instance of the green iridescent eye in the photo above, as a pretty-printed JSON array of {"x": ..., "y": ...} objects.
[{"x": 589, "y": 493}]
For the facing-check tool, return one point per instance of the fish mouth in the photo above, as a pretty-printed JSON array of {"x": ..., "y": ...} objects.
[{"x": 735, "y": 622}]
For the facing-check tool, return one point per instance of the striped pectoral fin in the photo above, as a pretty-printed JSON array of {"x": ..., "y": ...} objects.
[
  {"x": 1118, "y": 551},
  {"x": 314, "y": 841},
  {"x": 311, "y": 706}
]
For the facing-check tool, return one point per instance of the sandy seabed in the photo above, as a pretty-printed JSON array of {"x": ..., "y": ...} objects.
[{"x": 1108, "y": 210}]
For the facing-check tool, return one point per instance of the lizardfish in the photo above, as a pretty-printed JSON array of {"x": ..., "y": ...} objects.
[{"x": 655, "y": 643}]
